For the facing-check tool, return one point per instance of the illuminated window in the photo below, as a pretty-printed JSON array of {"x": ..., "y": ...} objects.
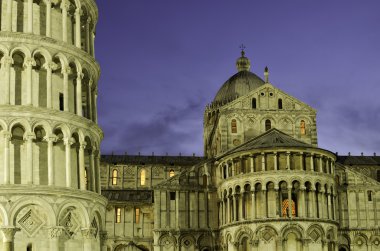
[
  {"x": 233, "y": 126},
  {"x": 114, "y": 177},
  {"x": 254, "y": 103},
  {"x": 118, "y": 214},
  {"x": 268, "y": 125},
  {"x": 285, "y": 206},
  {"x": 137, "y": 215},
  {"x": 142, "y": 177},
  {"x": 171, "y": 173},
  {"x": 280, "y": 104},
  {"x": 303, "y": 127}
]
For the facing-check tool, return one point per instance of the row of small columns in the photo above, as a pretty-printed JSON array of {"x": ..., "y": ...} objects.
[
  {"x": 301, "y": 205},
  {"x": 94, "y": 162},
  {"x": 54, "y": 233},
  {"x": 65, "y": 4},
  {"x": 275, "y": 161},
  {"x": 50, "y": 66}
]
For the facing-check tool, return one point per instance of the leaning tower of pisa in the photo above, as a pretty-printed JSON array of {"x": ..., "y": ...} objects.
[{"x": 49, "y": 148}]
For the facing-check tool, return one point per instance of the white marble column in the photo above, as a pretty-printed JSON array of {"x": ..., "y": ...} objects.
[
  {"x": 6, "y": 139},
  {"x": 6, "y": 68},
  {"x": 79, "y": 93},
  {"x": 68, "y": 142},
  {"x": 8, "y": 237},
  {"x": 234, "y": 206},
  {"x": 96, "y": 105},
  {"x": 97, "y": 172},
  {"x": 328, "y": 206},
  {"x": 88, "y": 21},
  {"x": 288, "y": 161},
  {"x": 78, "y": 13},
  {"x": 48, "y": 17},
  {"x": 252, "y": 158},
  {"x": 290, "y": 208},
  {"x": 53, "y": 234},
  {"x": 92, "y": 168},
  {"x": 89, "y": 91},
  {"x": 30, "y": 16},
  {"x": 253, "y": 209},
  {"x": 64, "y": 6},
  {"x": 263, "y": 162},
  {"x": 82, "y": 175},
  {"x": 312, "y": 162},
  {"x": 275, "y": 161},
  {"x": 29, "y": 137},
  {"x": 65, "y": 72},
  {"x": 50, "y": 140},
  {"x": 264, "y": 203},
  {"x": 8, "y": 20},
  {"x": 241, "y": 195},
  {"x": 301, "y": 202},
  {"x": 88, "y": 237},
  {"x": 93, "y": 43},
  {"x": 228, "y": 211},
  {"x": 28, "y": 64}
]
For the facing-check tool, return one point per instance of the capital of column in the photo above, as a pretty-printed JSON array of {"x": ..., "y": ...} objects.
[
  {"x": 29, "y": 62},
  {"x": 80, "y": 75},
  {"x": 9, "y": 233},
  {"x": 6, "y": 135},
  {"x": 47, "y": 2},
  {"x": 65, "y": 70},
  {"x": 55, "y": 232},
  {"x": 88, "y": 233},
  {"x": 82, "y": 145},
  {"x": 51, "y": 138},
  {"x": 65, "y": 5},
  {"x": 88, "y": 20},
  {"x": 302, "y": 187},
  {"x": 50, "y": 66},
  {"x": 29, "y": 136},
  {"x": 7, "y": 61},
  {"x": 103, "y": 236},
  {"x": 69, "y": 141},
  {"x": 79, "y": 11}
]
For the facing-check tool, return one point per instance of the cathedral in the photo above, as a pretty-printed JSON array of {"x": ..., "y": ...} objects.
[{"x": 263, "y": 183}]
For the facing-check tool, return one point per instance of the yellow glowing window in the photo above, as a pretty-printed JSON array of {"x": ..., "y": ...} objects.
[
  {"x": 137, "y": 215},
  {"x": 118, "y": 214},
  {"x": 303, "y": 127},
  {"x": 114, "y": 177},
  {"x": 233, "y": 126},
  {"x": 171, "y": 173},
  {"x": 142, "y": 177},
  {"x": 285, "y": 206}
]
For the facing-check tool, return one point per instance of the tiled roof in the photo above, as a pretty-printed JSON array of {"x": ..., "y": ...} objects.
[
  {"x": 144, "y": 196},
  {"x": 146, "y": 160},
  {"x": 359, "y": 160}
]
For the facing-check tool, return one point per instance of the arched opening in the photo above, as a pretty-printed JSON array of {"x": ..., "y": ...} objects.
[
  {"x": 89, "y": 164},
  {"x": 19, "y": 84},
  {"x": 114, "y": 177},
  {"x": 72, "y": 88},
  {"x": 224, "y": 171},
  {"x": 17, "y": 148},
  {"x": 39, "y": 75},
  {"x": 42, "y": 18},
  {"x": 244, "y": 244},
  {"x": 41, "y": 147},
  {"x": 75, "y": 170},
  {"x": 57, "y": 85},
  {"x": 204, "y": 181},
  {"x": 280, "y": 104},
  {"x": 29, "y": 247},
  {"x": 247, "y": 202},
  {"x": 308, "y": 199},
  {"x": 303, "y": 127},
  {"x": 254, "y": 103},
  {"x": 233, "y": 126},
  {"x": 237, "y": 205},
  {"x": 271, "y": 199},
  {"x": 268, "y": 125},
  {"x": 19, "y": 5},
  {"x": 59, "y": 157}
]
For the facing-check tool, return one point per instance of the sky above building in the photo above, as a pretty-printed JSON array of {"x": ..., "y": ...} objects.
[{"x": 163, "y": 61}]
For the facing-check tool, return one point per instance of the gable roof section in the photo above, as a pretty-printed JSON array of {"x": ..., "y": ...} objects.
[{"x": 269, "y": 139}]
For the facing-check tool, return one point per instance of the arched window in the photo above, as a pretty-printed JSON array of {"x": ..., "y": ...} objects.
[
  {"x": 303, "y": 127},
  {"x": 118, "y": 215},
  {"x": 114, "y": 177},
  {"x": 254, "y": 103},
  {"x": 285, "y": 206},
  {"x": 142, "y": 177},
  {"x": 233, "y": 126},
  {"x": 224, "y": 172},
  {"x": 268, "y": 125},
  {"x": 171, "y": 173},
  {"x": 280, "y": 103},
  {"x": 137, "y": 215},
  {"x": 29, "y": 247}
]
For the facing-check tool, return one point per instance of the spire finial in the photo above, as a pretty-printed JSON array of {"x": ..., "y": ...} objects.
[
  {"x": 242, "y": 47},
  {"x": 266, "y": 74}
]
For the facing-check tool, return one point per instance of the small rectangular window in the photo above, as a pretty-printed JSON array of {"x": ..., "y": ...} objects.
[
  {"x": 118, "y": 215},
  {"x": 61, "y": 105},
  {"x": 172, "y": 195},
  {"x": 137, "y": 215}
]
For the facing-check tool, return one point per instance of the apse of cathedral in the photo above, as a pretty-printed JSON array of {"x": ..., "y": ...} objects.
[{"x": 263, "y": 183}]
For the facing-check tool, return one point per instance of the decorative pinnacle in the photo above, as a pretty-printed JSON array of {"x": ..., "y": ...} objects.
[
  {"x": 242, "y": 47},
  {"x": 243, "y": 63},
  {"x": 266, "y": 74}
]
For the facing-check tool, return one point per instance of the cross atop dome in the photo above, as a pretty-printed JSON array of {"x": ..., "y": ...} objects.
[{"x": 243, "y": 63}]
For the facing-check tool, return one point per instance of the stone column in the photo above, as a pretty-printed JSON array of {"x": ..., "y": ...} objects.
[
  {"x": 287, "y": 160},
  {"x": 49, "y": 68},
  {"x": 64, "y": 6},
  {"x": 277, "y": 202},
  {"x": 103, "y": 240},
  {"x": 312, "y": 201},
  {"x": 196, "y": 211},
  {"x": 228, "y": 211},
  {"x": 328, "y": 216},
  {"x": 234, "y": 206},
  {"x": 320, "y": 164},
  {"x": 50, "y": 140},
  {"x": 253, "y": 216},
  {"x": 8, "y": 233},
  {"x": 92, "y": 170},
  {"x": 97, "y": 172},
  {"x": 93, "y": 43},
  {"x": 30, "y": 16},
  {"x": 301, "y": 202},
  {"x": 6, "y": 139},
  {"x": 88, "y": 237},
  {"x": 88, "y": 34},
  {"x": 28, "y": 64},
  {"x": 53, "y": 234},
  {"x": 78, "y": 13},
  {"x": 6, "y": 67},
  {"x": 275, "y": 161},
  {"x": 233, "y": 168},
  {"x": 241, "y": 195},
  {"x": 264, "y": 203},
  {"x": 29, "y": 137},
  {"x": 48, "y": 17},
  {"x": 301, "y": 161},
  {"x": 177, "y": 209},
  {"x": 68, "y": 142},
  {"x": 252, "y": 163},
  {"x": 82, "y": 177},
  {"x": 79, "y": 93},
  {"x": 65, "y": 72},
  {"x": 89, "y": 108},
  {"x": 96, "y": 105},
  {"x": 263, "y": 161},
  {"x": 312, "y": 162},
  {"x": 290, "y": 208},
  {"x": 8, "y": 20}
]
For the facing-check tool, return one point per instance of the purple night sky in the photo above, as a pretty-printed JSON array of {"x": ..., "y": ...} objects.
[{"x": 163, "y": 61}]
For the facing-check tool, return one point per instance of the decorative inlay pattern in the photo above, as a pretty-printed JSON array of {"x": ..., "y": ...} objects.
[{"x": 31, "y": 222}]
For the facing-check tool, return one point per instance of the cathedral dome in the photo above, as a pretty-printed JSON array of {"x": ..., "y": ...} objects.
[{"x": 239, "y": 84}]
